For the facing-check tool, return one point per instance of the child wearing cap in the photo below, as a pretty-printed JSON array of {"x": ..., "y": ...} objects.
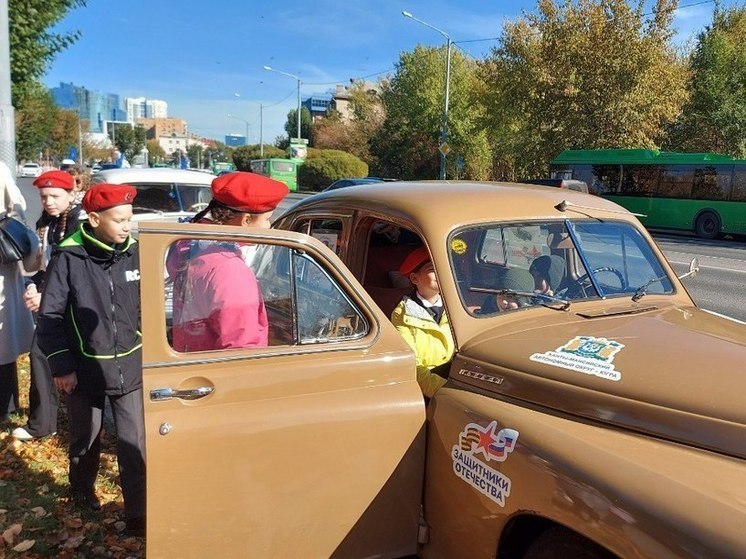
[
  {"x": 59, "y": 218},
  {"x": 217, "y": 300},
  {"x": 422, "y": 321},
  {"x": 89, "y": 329}
]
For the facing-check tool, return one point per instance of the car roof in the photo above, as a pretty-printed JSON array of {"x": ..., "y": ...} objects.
[
  {"x": 156, "y": 175},
  {"x": 31, "y": 164},
  {"x": 453, "y": 203}
]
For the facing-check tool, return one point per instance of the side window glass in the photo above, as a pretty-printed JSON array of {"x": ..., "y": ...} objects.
[
  {"x": 328, "y": 231},
  {"x": 227, "y": 295},
  {"x": 324, "y": 311}
]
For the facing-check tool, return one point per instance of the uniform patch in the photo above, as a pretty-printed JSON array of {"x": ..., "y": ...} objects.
[
  {"x": 585, "y": 354},
  {"x": 477, "y": 440}
]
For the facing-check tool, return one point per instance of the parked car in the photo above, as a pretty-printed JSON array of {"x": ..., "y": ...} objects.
[
  {"x": 343, "y": 183},
  {"x": 602, "y": 420},
  {"x": 162, "y": 194},
  {"x": 31, "y": 170},
  {"x": 572, "y": 184}
]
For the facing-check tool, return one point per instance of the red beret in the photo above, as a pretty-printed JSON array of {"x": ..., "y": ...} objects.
[
  {"x": 55, "y": 179},
  {"x": 414, "y": 260},
  {"x": 248, "y": 192},
  {"x": 103, "y": 196}
]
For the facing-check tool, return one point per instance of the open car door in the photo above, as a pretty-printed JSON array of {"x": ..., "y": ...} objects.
[{"x": 309, "y": 446}]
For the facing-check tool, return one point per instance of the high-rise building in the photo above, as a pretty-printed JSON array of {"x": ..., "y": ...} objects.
[
  {"x": 141, "y": 107},
  {"x": 97, "y": 108}
]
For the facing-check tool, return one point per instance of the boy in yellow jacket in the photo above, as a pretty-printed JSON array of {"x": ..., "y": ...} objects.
[{"x": 423, "y": 323}]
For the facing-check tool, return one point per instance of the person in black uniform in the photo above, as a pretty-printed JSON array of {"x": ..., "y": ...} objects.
[
  {"x": 89, "y": 329},
  {"x": 59, "y": 218}
]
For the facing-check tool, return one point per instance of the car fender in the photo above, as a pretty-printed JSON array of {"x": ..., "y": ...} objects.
[{"x": 632, "y": 494}]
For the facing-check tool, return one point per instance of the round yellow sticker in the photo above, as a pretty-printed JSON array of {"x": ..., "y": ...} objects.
[{"x": 458, "y": 246}]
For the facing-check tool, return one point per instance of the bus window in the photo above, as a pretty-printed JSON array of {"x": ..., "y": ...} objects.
[
  {"x": 707, "y": 186},
  {"x": 676, "y": 181},
  {"x": 640, "y": 180}
]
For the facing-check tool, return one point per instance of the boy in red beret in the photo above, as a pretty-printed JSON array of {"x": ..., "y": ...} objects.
[
  {"x": 422, "y": 321},
  {"x": 89, "y": 330},
  {"x": 217, "y": 300}
]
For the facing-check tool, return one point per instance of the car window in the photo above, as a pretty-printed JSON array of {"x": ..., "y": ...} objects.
[
  {"x": 554, "y": 261},
  {"x": 327, "y": 230},
  {"x": 227, "y": 296},
  {"x": 170, "y": 197}
]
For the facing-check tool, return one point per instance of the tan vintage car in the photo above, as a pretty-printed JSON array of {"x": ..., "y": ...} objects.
[{"x": 605, "y": 419}]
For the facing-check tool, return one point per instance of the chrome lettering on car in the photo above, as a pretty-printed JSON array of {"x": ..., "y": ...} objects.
[
  {"x": 474, "y": 440},
  {"x": 481, "y": 376},
  {"x": 585, "y": 354}
]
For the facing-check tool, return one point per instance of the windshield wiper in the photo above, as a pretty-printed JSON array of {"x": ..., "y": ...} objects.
[
  {"x": 565, "y": 304},
  {"x": 643, "y": 289}
]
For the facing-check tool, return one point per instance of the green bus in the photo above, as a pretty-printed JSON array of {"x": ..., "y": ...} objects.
[
  {"x": 700, "y": 192},
  {"x": 283, "y": 170}
]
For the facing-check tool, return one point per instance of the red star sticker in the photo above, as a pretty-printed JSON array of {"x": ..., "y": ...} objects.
[{"x": 486, "y": 438}]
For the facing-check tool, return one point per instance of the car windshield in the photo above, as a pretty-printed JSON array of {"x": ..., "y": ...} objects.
[
  {"x": 501, "y": 267},
  {"x": 159, "y": 197}
]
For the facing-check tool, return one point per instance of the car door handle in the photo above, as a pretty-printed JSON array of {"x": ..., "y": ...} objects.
[{"x": 160, "y": 394}]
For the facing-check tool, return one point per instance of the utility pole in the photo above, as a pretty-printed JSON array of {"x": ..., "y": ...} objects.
[
  {"x": 261, "y": 132},
  {"x": 7, "y": 114}
]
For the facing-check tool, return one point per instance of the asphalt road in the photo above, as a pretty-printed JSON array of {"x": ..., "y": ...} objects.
[{"x": 720, "y": 285}]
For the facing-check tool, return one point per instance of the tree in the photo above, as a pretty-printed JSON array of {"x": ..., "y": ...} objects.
[
  {"x": 291, "y": 126},
  {"x": 714, "y": 118},
  {"x": 129, "y": 140},
  {"x": 407, "y": 143},
  {"x": 64, "y": 133},
  {"x": 156, "y": 154},
  {"x": 586, "y": 74},
  {"x": 34, "y": 119},
  {"x": 196, "y": 155},
  {"x": 32, "y": 45}
]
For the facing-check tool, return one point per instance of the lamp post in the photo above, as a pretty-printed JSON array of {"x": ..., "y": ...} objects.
[
  {"x": 246, "y": 122},
  {"x": 297, "y": 114},
  {"x": 443, "y": 148},
  {"x": 261, "y": 127}
]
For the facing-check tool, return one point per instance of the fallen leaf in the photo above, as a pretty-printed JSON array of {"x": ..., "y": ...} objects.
[
  {"x": 10, "y": 533},
  {"x": 25, "y": 545},
  {"x": 71, "y": 522},
  {"x": 73, "y": 542},
  {"x": 38, "y": 511}
]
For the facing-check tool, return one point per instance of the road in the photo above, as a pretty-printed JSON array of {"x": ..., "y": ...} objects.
[{"x": 718, "y": 287}]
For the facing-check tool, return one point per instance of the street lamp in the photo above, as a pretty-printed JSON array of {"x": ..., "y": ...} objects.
[
  {"x": 297, "y": 115},
  {"x": 261, "y": 127},
  {"x": 246, "y": 122},
  {"x": 443, "y": 148}
]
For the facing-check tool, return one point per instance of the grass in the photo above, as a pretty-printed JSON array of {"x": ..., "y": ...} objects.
[{"x": 36, "y": 517}]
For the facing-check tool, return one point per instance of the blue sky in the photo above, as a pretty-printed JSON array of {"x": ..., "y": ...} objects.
[{"x": 197, "y": 56}]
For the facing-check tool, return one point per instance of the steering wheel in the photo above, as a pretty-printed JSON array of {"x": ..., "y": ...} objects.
[
  {"x": 198, "y": 207},
  {"x": 583, "y": 285}
]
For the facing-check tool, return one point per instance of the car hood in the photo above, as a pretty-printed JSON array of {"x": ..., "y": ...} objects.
[{"x": 671, "y": 372}]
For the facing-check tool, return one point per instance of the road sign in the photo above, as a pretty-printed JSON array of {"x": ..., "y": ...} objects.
[{"x": 444, "y": 148}]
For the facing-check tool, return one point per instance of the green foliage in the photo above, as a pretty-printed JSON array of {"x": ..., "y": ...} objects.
[
  {"x": 586, "y": 74},
  {"x": 291, "y": 126},
  {"x": 243, "y": 155},
  {"x": 34, "y": 119},
  {"x": 64, "y": 133},
  {"x": 156, "y": 154},
  {"x": 714, "y": 119},
  {"x": 196, "y": 155},
  {"x": 406, "y": 145},
  {"x": 32, "y": 45},
  {"x": 326, "y": 166},
  {"x": 130, "y": 141}
]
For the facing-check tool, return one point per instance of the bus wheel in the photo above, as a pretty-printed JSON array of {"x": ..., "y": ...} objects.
[
  {"x": 561, "y": 543},
  {"x": 707, "y": 225}
]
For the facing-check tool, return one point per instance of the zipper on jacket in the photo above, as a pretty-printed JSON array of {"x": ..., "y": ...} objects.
[{"x": 116, "y": 333}]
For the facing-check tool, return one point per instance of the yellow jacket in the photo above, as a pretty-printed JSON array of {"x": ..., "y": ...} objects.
[{"x": 432, "y": 343}]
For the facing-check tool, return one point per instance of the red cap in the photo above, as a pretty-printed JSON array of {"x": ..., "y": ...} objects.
[
  {"x": 103, "y": 196},
  {"x": 248, "y": 192},
  {"x": 55, "y": 179},
  {"x": 414, "y": 261}
]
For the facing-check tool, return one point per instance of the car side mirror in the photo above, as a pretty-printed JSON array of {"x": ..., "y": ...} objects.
[{"x": 693, "y": 269}]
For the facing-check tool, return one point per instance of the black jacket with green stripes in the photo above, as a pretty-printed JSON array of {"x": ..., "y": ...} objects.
[{"x": 89, "y": 320}]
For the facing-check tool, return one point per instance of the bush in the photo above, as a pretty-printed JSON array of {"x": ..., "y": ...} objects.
[{"x": 324, "y": 166}]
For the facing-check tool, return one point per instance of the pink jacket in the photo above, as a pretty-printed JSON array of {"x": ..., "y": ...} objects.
[{"x": 217, "y": 302}]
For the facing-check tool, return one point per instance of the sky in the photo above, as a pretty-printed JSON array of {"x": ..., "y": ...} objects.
[{"x": 206, "y": 58}]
